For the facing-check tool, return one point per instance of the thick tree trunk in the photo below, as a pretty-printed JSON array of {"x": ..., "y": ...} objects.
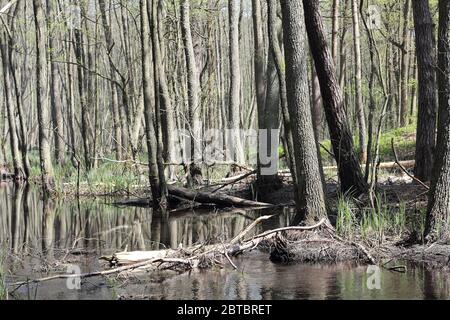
[
  {"x": 41, "y": 98},
  {"x": 349, "y": 170},
  {"x": 427, "y": 106},
  {"x": 439, "y": 199},
  {"x": 311, "y": 205}
]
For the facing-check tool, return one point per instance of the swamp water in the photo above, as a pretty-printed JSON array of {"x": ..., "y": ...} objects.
[{"x": 41, "y": 239}]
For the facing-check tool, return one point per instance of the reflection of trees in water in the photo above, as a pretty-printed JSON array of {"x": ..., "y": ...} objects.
[{"x": 28, "y": 222}]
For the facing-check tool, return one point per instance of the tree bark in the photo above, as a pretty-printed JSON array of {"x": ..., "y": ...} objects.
[
  {"x": 13, "y": 134},
  {"x": 311, "y": 205},
  {"x": 55, "y": 88},
  {"x": 335, "y": 30},
  {"x": 193, "y": 92},
  {"x": 113, "y": 86},
  {"x": 436, "y": 226},
  {"x": 349, "y": 170},
  {"x": 41, "y": 98},
  {"x": 275, "y": 34},
  {"x": 359, "y": 106},
  {"x": 405, "y": 66},
  {"x": 234, "y": 109},
  {"x": 149, "y": 102},
  {"x": 427, "y": 106}
]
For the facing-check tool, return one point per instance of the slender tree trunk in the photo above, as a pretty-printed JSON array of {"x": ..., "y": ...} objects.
[
  {"x": 113, "y": 86},
  {"x": 13, "y": 137},
  {"x": 193, "y": 92},
  {"x": 317, "y": 102},
  {"x": 167, "y": 116},
  {"x": 311, "y": 202},
  {"x": 335, "y": 30},
  {"x": 55, "y": 88},
  {"x": 157, "y": 72},
  {"x": 427, "y": 106},
  {"x": 437, "y": 219},
  {"x": 360, "y": 114},
  {"x": 349, "y": 170},
  {"x": 405, "y": 66},
  {"x": 267, "y": 99},
  {"x": 234, "y": 109},
  {"x": 275, "y": 34},
  {"x": 149, "y": 102},
  {"x": 42, "y": 97}
]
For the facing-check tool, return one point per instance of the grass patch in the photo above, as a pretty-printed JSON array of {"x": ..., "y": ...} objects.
[{"x": 386, "y": 220}]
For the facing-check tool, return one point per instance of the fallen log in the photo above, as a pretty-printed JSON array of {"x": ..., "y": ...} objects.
[
  {"x": 218, "y": 199},
  {"x": 408, "y": 164},
  {"x": 202, "y": 197}
]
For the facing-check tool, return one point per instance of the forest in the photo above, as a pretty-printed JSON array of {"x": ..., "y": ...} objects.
[{"x": 142, "y": 139}]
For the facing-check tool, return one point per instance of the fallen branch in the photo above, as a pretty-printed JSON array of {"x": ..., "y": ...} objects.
[
  {"x": 235, "y": 179},
  {"x": 383, "y": 165},
  {"x": 87, "y": 275},
  {"x": 404, "y": 169},
  {"x": 253, "y": 242},
  {"x": 250, "y": 227}
]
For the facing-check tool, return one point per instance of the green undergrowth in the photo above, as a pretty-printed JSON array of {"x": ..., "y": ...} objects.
[
  {"x": 384, "y": 221},
  {"x": 405, "y": 142}
]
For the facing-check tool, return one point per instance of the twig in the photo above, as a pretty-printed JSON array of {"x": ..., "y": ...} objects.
[
  {"x": 403, "y": 168},
  {"x": 87, "y": 275},
  {"x": 239, "y": 178}
]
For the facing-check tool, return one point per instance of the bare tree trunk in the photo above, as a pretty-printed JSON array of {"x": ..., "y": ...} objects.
[
  {"x": 113, "y": 86},
  {"x": 311, "y": 202},
  {"x": 193, "y": 91},
  {"x": 349, "y": 170},
  {"x": 14, "y": 141},
  {"x": 157, "y": 73},
  {"x": 149, "y": 102},
  {"x": 317, "y": 102},
  {"x": 405, "y": 66},
  {"x": 268, "y": 100},
  {"x": 437, "y": 219},
  {"x": 55, "y": 88},
  {"x": 335, "y": 30},
  {"x": 427, "y": 106},
  {"x": 360, "y": 114},
  {"x": 234, "y": 108},
  {"x": 167, "y": 114},
  {"x": 275, "y": 33},
  {"x": 42, "y": 97}
]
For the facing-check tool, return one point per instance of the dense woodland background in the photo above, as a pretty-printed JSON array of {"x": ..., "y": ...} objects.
[{"x": 93, "y": 84}]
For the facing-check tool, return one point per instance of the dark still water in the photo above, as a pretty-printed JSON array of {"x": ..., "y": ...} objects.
[{"x": 41, "y": 239}]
